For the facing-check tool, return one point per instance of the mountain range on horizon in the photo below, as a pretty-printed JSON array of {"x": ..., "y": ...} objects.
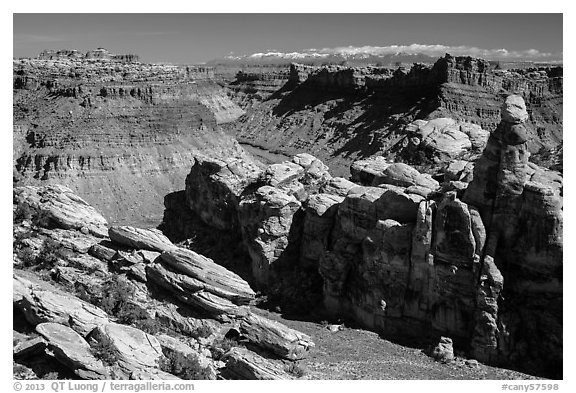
[{"x": 414, "y": 53}]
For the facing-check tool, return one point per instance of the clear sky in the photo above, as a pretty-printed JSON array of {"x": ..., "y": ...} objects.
[{"x": 195, "y": 38}]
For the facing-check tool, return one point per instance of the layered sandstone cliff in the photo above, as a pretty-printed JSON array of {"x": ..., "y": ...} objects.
[
  {"x": 122, "y": 135},
  {"x": 341, "y": 113}
]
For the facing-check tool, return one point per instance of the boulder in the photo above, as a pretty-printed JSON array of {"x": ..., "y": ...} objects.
[
  {"x": 179, "y": 320},
  {"x": 59, "y": 206},
  {"x": 146, "y": 239},
  {"x": 459, "y": 170},
  {"x": 30, "y": 347},
  {"x": 277, "y": 175},
  {"x": 366, "y": 171},
  {"x": 208, "y": 275},
  {"x": 71, "y": 239},
  {"x": 278, "y": 338},
  {"x": 70, "y": 349},
  {"x": 102, "y": 252},
  {"x": 137, "y": 353},
  {"x": 244, "y": 364},
  {"x": 400, "y": 174},
  {"x": 443, "y": 351},
  {"x": 397, "y": 204},
  {"x": 314, "y": 169},
  {"x": 191, "y": 291},
  {"x": 447, "y": 140},
  {"x": 338, "y": 186},
  {"x": 513, "y": 110},
  {"x": 42, "y": 302}
]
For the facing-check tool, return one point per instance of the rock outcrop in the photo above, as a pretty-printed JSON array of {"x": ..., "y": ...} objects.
[
  {"x": 71, "y": 349},
  {"x": 521, "y": 205},
  {"x": 112, "y": 308}
]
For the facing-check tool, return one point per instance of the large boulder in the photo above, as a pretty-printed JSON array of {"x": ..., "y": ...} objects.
[
  {"x": 276, "y": 337},
  {"x": 513, "y": 110},
  {"x": 137, "y": 353},
  {"x": 70, "y": 349},
  {"x": 246, "y": 365},
  {"x": 146, "y": 239},
  {"x": 59, "y": 206},
  {"x": 210, "y": 276},
  {"x": 42, "y": 302}
]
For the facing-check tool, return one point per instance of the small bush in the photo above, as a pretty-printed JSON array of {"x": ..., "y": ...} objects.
[
  {"x": 295, "y": 369},
  {"x": 185, "y": 366},
  {"x": 49, "y": 254},
  {"x": 105, "y": 351},
  {"x": 149, "y": 325},
  {"x": 116, "y": 295},
  {"x": 219, "y": 347},
  {"x": 201, "y": 332},
  {"x": 47, "y": 257},
  {"x": 27, "y": 256}
]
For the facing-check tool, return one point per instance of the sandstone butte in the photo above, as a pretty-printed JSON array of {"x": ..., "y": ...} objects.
[{"x": 445, "y": 233}]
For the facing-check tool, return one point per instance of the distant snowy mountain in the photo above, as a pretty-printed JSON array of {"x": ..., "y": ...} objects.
[
  {"x": 384, "y": 55},
  {"x": 320, "y": 57}
]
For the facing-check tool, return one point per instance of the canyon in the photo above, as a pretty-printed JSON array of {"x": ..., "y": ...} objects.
[
  {"x": 121, "y": 134},
  {"x": 237, "y": 209}
]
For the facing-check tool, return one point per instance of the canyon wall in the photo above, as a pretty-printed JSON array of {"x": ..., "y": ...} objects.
[
  {"x": 122, "y": 135},
  {"x": 341, "y": 114}
]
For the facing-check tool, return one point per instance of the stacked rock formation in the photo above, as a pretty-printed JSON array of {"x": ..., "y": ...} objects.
[
  {"x": 400, "y": 253},
  {"x": 521, "y": 205}
]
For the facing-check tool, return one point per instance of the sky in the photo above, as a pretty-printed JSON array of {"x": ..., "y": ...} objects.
[{"x": 196, "y": 38}]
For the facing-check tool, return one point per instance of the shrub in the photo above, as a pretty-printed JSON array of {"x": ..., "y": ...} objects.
[
  {"x": 185, "y": 366},
  {"x": 295, "y": 369},
  {"x": 49, "y": 254},
  {"x": 116, "y": 295},
  {"x": 201, "y": 332},
  {"x": 220, "y": 346},
  {"x": 149, "y": 325},
  {"x": 104, "y": 350}
]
